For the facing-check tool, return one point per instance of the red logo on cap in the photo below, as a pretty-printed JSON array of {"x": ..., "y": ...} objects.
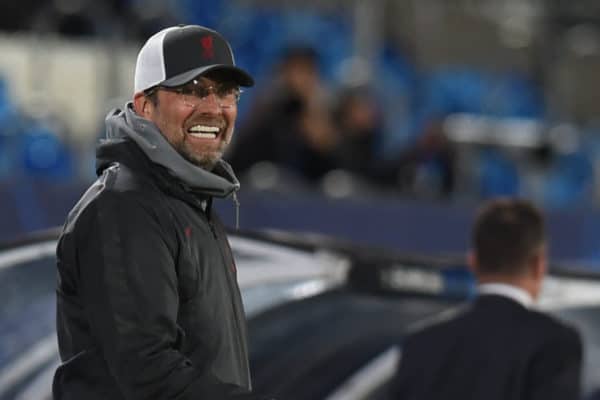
[{"x": 207, "y": 47}]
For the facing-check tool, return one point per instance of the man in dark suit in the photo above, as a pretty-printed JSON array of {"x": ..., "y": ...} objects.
[{"x": 498, "y": 347}]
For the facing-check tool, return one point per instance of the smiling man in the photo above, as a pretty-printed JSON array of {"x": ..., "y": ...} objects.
[{"x": 148, "y": 305}]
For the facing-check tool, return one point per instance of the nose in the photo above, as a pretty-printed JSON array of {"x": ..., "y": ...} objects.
[{"x": 210, "y": 104}]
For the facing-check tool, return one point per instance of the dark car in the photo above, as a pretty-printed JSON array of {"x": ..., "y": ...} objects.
[{"x": 326, "y": 318}]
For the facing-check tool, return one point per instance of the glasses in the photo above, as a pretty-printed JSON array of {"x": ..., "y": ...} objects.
[{"x": 195, "y": 93}]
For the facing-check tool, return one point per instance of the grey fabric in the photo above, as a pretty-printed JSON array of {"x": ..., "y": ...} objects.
[{"x": 126, "y": 124}]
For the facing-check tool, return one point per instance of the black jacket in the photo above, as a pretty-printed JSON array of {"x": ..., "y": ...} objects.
[
  {"x": 148, "y": 305},
  {"x": 497, "y": 350}
]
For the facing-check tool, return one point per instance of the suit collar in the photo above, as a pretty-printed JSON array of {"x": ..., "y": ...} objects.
[{"x": 511, "y": 292}]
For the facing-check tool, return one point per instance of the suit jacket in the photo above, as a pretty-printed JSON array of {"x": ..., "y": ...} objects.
[{"x": 496, "y": 349}]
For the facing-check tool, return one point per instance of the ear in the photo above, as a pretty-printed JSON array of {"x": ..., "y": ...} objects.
[
  {"x": 142, "y": 105},
  {"x": 472, "y": 261},
  {"x": 539, "y": 264}
]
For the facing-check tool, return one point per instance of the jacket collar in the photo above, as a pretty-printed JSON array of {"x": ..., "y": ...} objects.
[
  {"x": 510, "y": 292},
  {"x": 126, "y": 125}
]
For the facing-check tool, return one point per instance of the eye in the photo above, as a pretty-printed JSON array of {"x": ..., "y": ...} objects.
[
  {"x": 187, "y": 90},
  {"x": 228, "y": 91}
]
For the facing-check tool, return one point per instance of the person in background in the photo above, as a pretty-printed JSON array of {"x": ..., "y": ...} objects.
[
  {"x": 148, "y": 305},
  {"x": 291, "y": 124},
  {"x": 499, "y": 347},
  {"x": 360, "y": 125}
]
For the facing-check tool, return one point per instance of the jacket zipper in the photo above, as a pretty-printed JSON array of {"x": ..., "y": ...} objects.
[
  {"x": 237, "y": 211},
  {"x": 224, "y": 247},
  {"x": 207, "y": 212}
]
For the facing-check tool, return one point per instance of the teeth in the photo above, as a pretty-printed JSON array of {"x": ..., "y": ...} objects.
[
  {"x": 204, "y": 131},
  {"x": 204, "y": 128},
  {"x": 204, "y": 135}
]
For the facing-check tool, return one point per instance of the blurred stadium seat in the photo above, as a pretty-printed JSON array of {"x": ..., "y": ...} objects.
[
  {"x": 44, "y": 154},
  {"x": 461, "y": 90},
  {"x": 416, "y": 81},
  {"x": 570, "y": 181},
  {"x": 498, "y": 175}
]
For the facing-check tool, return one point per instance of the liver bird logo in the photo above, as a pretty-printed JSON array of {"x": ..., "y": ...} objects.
[{"x": 208, "y": 51}]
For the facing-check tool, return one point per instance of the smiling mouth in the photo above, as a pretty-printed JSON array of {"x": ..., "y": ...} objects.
[{"x": 204, "y": 131}]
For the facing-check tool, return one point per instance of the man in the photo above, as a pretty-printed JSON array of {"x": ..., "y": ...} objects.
[
  {"x": 290, "y": 124},
  {"x": 499, "y": 348},
  {"x": 148, "y": 305}
]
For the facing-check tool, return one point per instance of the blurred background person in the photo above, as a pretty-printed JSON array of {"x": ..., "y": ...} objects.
[
  {"x": 499, "y": 347},
  {"x": 290, "y": 125},
  {"x": 359, "y": 122}
]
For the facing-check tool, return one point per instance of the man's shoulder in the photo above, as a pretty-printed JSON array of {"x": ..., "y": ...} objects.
[
  {"x": 551, "y": 327},
  {"x": 522, "y": 320},
  {"x": 119, "y": 178},
  {"x": 484, "y": 316},
  {"x": 121, "y": 182},
  {"x": 115, "y": 192}
]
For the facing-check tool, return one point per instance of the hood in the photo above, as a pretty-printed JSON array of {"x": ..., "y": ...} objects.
[{"x": 126, "y": 124}]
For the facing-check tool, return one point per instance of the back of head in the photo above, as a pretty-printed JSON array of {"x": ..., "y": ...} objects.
[
  {"x": 298, "y": 69},
  {"x": 298, "y": 53},
  {"x": 507, "y": 234}
]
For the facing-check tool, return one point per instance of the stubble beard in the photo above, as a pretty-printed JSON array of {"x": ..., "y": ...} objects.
[{"x": 206, "y": 160}]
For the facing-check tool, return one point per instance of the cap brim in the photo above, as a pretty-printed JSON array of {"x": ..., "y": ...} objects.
[{"x": 237, "y": 74}]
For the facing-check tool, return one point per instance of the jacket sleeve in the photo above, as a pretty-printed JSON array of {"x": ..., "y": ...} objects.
[
  {"x": 556, "y": 368},
  {"x": 130, "y": 294}
]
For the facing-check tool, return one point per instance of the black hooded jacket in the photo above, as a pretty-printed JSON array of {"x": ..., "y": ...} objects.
[{"x": 148, "y": 305}]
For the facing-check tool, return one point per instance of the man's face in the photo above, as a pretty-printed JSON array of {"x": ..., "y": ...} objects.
[{"x": 199, "y": 128}]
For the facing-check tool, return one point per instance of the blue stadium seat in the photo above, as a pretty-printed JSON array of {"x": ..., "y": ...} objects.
[
  {"x": 202, "y": 12},
  {"x": 570, "y": 181},
  {"x": 396, "y": 83},
  {"x": 460, "y": 90},
  {"x": 44, "y": 155},
  {"x": 498, "y": 175},
  {"x": 11, "y": 125},
  {"x": 259, "y": 34}
]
